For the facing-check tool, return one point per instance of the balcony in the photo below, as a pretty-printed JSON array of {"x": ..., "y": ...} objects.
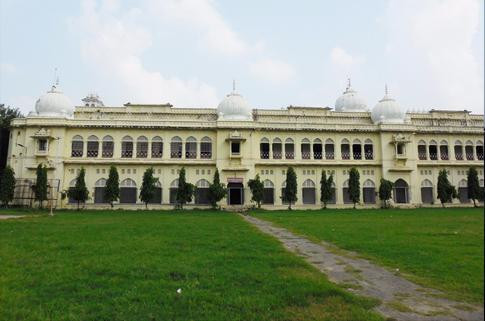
[
  {"x": 190, "y": 154},
  {"x": 92, "y": 153},
  {"x": 422, "y": 156},
  {"x": 480, "y": 156},
  {"x": 176, "y": 154},
  {"x": 369, "y": 155},
  {"x": 458, "y": 156},
  {"x": 277, "y": 155},
  {"x": 305, "y": 155},
  {"x": 444, "y": 157},
  {"x": 77, "y": 153},
  {"x": 126, "y": 154},
  {"x": 345, "y": 155},
  {"x": 470, "y": 156},
  {"x": 264, "y": 155},
  {"x": 290, "y": 155},
  {"x": 329, "y": 155},
  {"x": 433, "y": 156},
  {"x": 206, "y": 155},
  {"x": 107, "y": 153},
  {"x": 317, "y": 155}
]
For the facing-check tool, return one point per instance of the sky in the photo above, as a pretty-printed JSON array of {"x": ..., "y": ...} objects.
[{"x": 280, "y": 53}]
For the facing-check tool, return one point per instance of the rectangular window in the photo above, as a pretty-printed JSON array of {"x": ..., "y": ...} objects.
[
  {"x": 369, "y": 151},
  {"x": 141, "y": 149},
  {"x": 206, "y": 150},
  {"x": 235, "y": 148},
  {"x": 329, "y": 151},
  {"x": 289, "y": 151},
  {"x": 93, "y": 148},
  {"x": 42, "y": 145},
  {"x": 157, "y": 149},
  {"x": 305, "y": 151},
  {"x": 277, "y": 152},
  {"x": 345, "y": 150},
  {"x": 107, "y": 149},
  {"x": 127, "y": 149}
]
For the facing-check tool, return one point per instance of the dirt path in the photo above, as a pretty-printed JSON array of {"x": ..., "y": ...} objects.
[
  {"x": 400, "y": 299},
  {"x": 6, "y": 217}
]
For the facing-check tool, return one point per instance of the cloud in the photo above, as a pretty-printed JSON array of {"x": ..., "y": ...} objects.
[
  {"x": 274, "y": 71},
  {"x": 113, "y": 42},
  {"x": 341, "y": 58},
  {"x": 430, "y": 52}
]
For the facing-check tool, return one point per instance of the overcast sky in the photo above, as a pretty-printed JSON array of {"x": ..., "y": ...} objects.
[{"x": 187, "y": 52}]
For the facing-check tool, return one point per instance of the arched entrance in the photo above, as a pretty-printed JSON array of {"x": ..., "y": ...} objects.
[
  {"x": 401, "y": 191},
  {"x": 235, "y": 193}
]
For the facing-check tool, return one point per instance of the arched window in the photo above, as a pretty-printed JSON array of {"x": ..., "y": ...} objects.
[
  {"x": 305, "y": 149},
  {"x": 463, "y": 191},
  {"x": 99, "y": 191},
  {"x": 369, "y": 192},
  {"x": 176, "y": 147},
  {"x": 427, "y": 192},
  {"x": 345, "y": 192},
  {"x": 329, "y": 149},
  {"x": 268, "y": 192},
  {"x": 309, "y": 192},
  {"x": 174, "y": 186},
  {"x": 127, "y": 147},
  {"x": 401, "y": 191},
  {"x": 202, "y": 192},
  {"x": 128, "y": 191},
  {"x": 264, "y": 148},
  {"x": 458, "y": 150},
  {"x": 157, "y": 147},
  {"x": 157, "y": 196},
  {"x": 77, "y": 146},
  {"x": 108, "y": 147},
  {"x": 444, "y": 150},
  {"x": 479, "y": 150},
  {"x": 357, "y": 149},
  {"x": 93, "y": 146},
  {"x": 345, "y": 149},
  {"x": 206, "y": 148},
  {"x": 191, "y": 148},
  {"x": 283, "y": 187},
  {"x": 368, "y": 149},
  {"x": 277, "y": 148},
  {"x": 142, "y": 147},
  {"x": 422, "y": 150},
  {"x": 317, "y": 148},
  {"x": 289, "y": 149},
  {"x": 333, "y": 199},
  {"x": 72, "y": 184},
  {"x": 469, "y": 152},
  {"x": 433, "y": 150}
]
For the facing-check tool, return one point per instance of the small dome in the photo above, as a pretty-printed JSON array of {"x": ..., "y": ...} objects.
[
  {"x": 388, "y": 111},
  {"x": 234, "y": 107},
  {"x": 350, "y": 101},
  {"x": 54, "y": 104}
]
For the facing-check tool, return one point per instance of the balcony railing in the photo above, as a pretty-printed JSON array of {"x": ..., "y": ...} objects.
[
  {"x": 329, "y": 155},
  {"x": 369, "y": 155},
  {"x": 107, "y": 153},
  {"x": 289, "y": 155},
  {"x": 141, "y": 154},
  {"x": 206, "y": 155},
  {"x": 176, "y": 154},
  {"x": 305, "y": 155},
  {"x": 317, "y": 155},
  {"x": 190, "y": 154},
  {"x": 357, "y": 156},
  {"x": 77, "y": 153},
  {"x": 277, "y": 155},
  {"x": 92, "y": 153},
  {"x": 422, "y": 156},
  {"x": 157, "y": 154},
  {"x": 433, "y": 156},
  {"x": 444, "y": 157},
  {"x": 345, "y": 155},
  {"x": 459, "y": 156},
  {"x": 126, "y": 153},
  {"x": 470, "y": 156},
  {"x": 480, "y": 156},
  {"x": 264, "y": 155}
]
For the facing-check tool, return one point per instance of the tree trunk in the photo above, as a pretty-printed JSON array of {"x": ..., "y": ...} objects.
[
  {"x": 443, "y": 204},
  {"x": 474, "y": 203},
  {"x": 324, "y": 205},
  {"x": 78, "y": 205},
  {"x": 111, "y": 203},
  {"x": 354, "y": 206}
]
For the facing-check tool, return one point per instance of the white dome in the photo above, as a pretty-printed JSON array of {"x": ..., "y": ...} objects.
[
  {"x": 234, "y": 107},
  {"x": 350, "y": 101},
  {"x": 54, "y": 104},
  {"x": 388, "y": 111}
]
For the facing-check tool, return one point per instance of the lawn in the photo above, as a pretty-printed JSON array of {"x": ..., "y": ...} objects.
[
  {"x": 440, "y": 248},
  {"x": 120, "y": 265}
]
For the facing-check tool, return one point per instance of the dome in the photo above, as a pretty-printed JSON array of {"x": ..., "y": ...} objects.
[
  {"x": 54, "y": 104},
  {"x": 350, "y": 101},
  {"x": 387, "y": 110},
  {"x": 234, "y": 107}
]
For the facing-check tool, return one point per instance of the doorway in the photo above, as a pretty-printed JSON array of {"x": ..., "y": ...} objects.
[{"x": 236, "y": 193}]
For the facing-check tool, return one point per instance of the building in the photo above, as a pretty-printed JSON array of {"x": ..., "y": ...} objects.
[{"x": 406, "y": 148}]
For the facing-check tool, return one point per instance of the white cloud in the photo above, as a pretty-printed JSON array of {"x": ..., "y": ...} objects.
[
  {"x": 341, "y": 58},
  {"x": 274, "y": 71},
  {"x": 113, "y": 42}
]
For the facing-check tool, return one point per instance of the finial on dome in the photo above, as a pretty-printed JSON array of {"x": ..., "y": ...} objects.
[
  {"x": 386, "y": 91},
  {"x": 233, "y": 85},
  {"x": 348, "y": 83},
  {"x": 57, "y": 77}
]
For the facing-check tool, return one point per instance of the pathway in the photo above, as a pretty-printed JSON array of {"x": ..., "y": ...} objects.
[{"x": 400, "y": 299}]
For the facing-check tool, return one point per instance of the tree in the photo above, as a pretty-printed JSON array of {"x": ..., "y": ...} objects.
[
  {"x": 185, "y": 190},
  {"x": 257, "y": 189},
  {"x": 473, "y": 185},
  {"x": 325, "y": 188},
  {"x": 79, "y": 192},
  {"x": 148, "y": 187},
  {"x": 385, "y": 191},
  {"x": 354, "y": 185},
  {"x": 112, "y": 191},
  {"x": 446, "y": 191},
  {"x": 40, "y": 187},
  {"x": 6, "y": 116},
  {"x": 7, "y": 185},
  {"x": 217, "y": 191},
  {"x": 289, "y": 194}
]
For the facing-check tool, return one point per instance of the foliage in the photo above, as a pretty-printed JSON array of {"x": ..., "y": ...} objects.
[
  {"x": 473, "y": 186},
  {"x": 446, "y": 191},
  {"x": 79, "y": 192},
  {"x": 7, "y": 114},
  {"x": 185, "y": 191},
  {"x": 354, "y": 185},
  {"x": 325, "y": 188},
  {"x": 148, "y": 187},
  {"x": 112, "y": 191},
  {"x": 257, "y": 189},
  {"x": 40, "y": 187},
  {"x": 290, "y": 191},
  {"x": 7, "y": 185},
  {"x": 217, "y": 191},
  {"x": 385, "y": 191}
]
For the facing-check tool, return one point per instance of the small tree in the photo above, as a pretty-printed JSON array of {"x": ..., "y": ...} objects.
[
  {"x": 184, "y": 191},
  {"x": 217, "y": 191},
  {"x": 112, "y": 191},
  {"x": 257, "y": 189},
  {"x": 385, "y": 191},
  {"x": 354, "y": 185},
  {"x": 148, "y": 187},
  {"x": 325, "y": 188},
  {"x": 446, "y": 191},
  {"x": 7, "y": 185},
  {"x": 79, "y": 192},
  {"x": 290, "y": 191},
  {"x": 473, "y": 186},
  {"x": 40, "y": 187}
]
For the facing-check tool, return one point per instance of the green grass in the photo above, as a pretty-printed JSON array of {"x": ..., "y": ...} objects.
[
  {"x": 119, "y": 265},
  {"x": 440, "y": 248}
]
